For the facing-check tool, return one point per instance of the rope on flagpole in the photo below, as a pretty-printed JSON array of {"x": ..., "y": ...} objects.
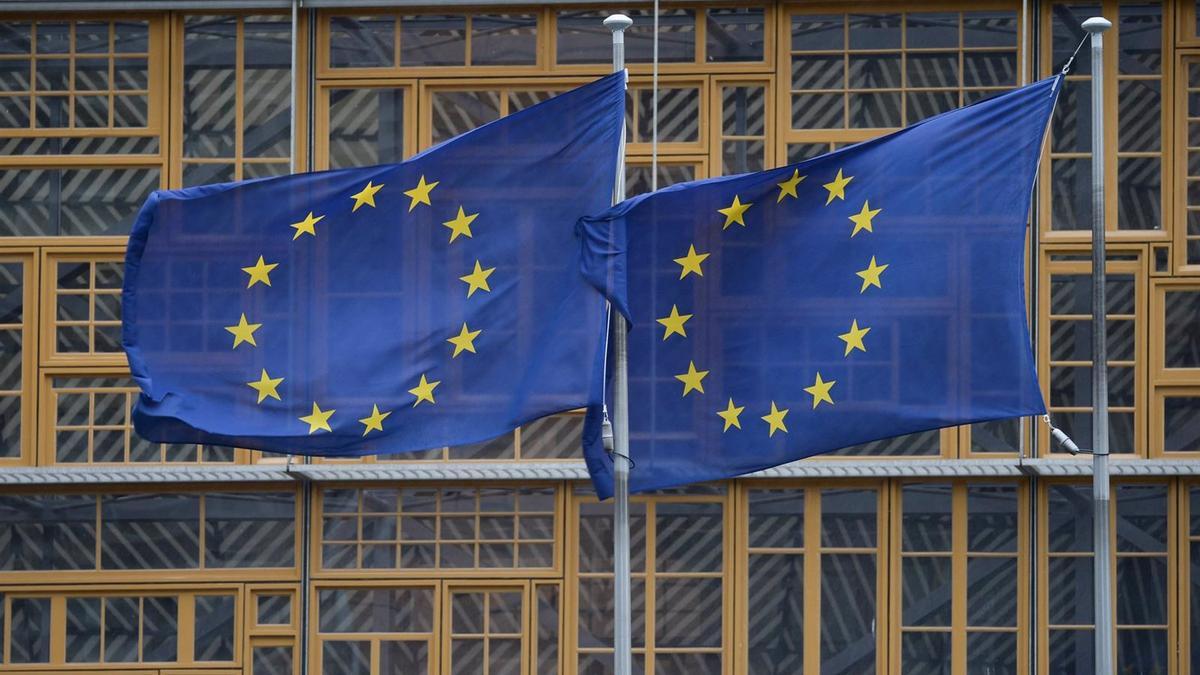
[{"x": 1066, "y": 69}]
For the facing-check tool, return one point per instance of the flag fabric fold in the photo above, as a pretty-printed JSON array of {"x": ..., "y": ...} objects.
[
  {"x": 868, "y": 293},
  {"x": 383, "y": 309}
]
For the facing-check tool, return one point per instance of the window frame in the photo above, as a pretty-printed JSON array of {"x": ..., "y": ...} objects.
[
  {"x": 30, "y": 327},
  {"x": 322, "y": 123}
]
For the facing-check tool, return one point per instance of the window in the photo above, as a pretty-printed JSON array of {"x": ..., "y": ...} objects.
[
  {"x": 961, "y": 585},
  {"x": 487, "y": 629},
  {"x": 679, "y": 591},
  {"x": 1143, "y": 520},
  {"x": 87, "y": 307},
  {"x": 141, "y": 533},
  {"x": 17, "y": 373},
  {"x": 420, "y": 41},
  {"x": 1134, "y": 76},
  {"x": 1190, "y": 581},
  {"x": 456, "y": 110},
  {"x": 234, "y": 89},
  {"x": 886, "y": 70},
  {"x": 421, "y": 529},
  {"x": 376, "y": 629},
  {"x": 744, "y": 126},
  {"x": 1065, "y": 347},
  {"x": 802, "y": 538},
  {"x": 366, "y": 125}
]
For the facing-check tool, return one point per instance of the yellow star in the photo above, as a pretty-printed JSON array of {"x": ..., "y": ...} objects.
[
  {"x": 464, "y": 340},
  {"x": 862, "y": 219},
  {"x": 478, "y": 280},
  {"x": 318, "y": 419},
  {"x": 365, "y": 196},
  {"x": 266, "y": 386},
  {"x": 424, "y": 390},
  {"x": 420, "y": 194},
  {"x": 306, "y": 226},
  {"x": 674, "y": 323},
  {"x": 243, "y": 332},
  {"x": 838, "y": 187},
  {"x": 375, "y": 421},
  {"x": 788, "y": 187},
  {"x": 775, "y": 420},
  {"x": 692, "y": 379},
  {"x": 460, "y": 225},
  {"x": 870, "y": 276},
  {"x": 733, "y": 213},
  {"x": 730, "y": 415},
  {"x": 820, "y": 391},
  {"x": 691, "y": 263},
  {"x": 854, "y": 339},
  {"x": 260, "y": 271}
]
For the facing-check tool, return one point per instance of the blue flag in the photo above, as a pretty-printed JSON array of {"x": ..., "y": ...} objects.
[
  {"x": 384, "y": 309},
  {"x": 868, "y": 293}
]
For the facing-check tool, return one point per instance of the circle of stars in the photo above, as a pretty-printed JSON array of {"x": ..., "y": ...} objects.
[
  {"x": 459, "y": 226},
  {"x": 692, "y": 264}
]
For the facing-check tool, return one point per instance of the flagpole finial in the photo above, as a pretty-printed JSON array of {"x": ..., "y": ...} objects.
[
  {"x": 617, "y": 23},
  {"x": 1096, "y": 24}
]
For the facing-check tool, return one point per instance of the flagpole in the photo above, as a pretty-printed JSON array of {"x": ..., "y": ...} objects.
[
  {"x": 622, "y": 617},
  {"x": 1101, "y": 497}
]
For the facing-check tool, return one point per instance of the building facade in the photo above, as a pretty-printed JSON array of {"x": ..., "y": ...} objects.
[{"x": 960, "y": 551}]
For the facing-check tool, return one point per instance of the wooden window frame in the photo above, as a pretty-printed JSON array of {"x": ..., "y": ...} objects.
[
  {"x": 716, "y": 116},
  {"x": 177, "y": 161},
  {"x": 317, "y": 638},
  {"x": 1176, "y": 611},
  {"x": 1179, "y": 143},
  {"x": 704, "y": 137},
  {"x": 200, "y": 573},
  {"x": 1167, "y": 147},
  {"x": 569, "y": 600},
  {"x": 1139, "y": 270},
  {"x": 319, "y": 571},
  {"x": 185, "y": 627},
  {"x": 30, "y": 309},
  {"x": 960, "y": 556},
  {"x": 1185, "y": 17},
  {"x": 1157, "y": 421},
  {"x": 51, "y": 256},
  {"x": 812, "y": 552},
  {"x": 322, "y": 127},
  {"x": 447, "y": 634},
  {"x": 783, "y": 103},
  {"x": 428, "y": 87}
]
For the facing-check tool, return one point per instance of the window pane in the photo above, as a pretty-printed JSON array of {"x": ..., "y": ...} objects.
[
  {"x": 266, "y": 87},
  {"x": 1070, "y": 518},
  {"x": 1141, "y": 651},
  {"x": 29, "y": 640},
  {"x": 689, "y": 537},
  {"x": 559, "y": 436},
  {"x": 1181, "y": 340},
  {"x": 992, "y": 653},
  {"x": 924, "y": 652},
  {"x": 150, "y": 531},
  {"x": 83, "y": 630},
  {"x": 776, "y": 518},
  {"x": 848, "y": 608},
  {"x": 362, "y": 42},
  {"x": 992, "y": 518},
  {"x": 688, "y": 612},
  {"x": 278, "y": 661},
  {"x": 209, "y": 86},
  {"x": 214, "y": 627},
  {"x": 1071, "y": 651},
  {"x": 734, "y": 34},
  {"x": 1141, "y": 591},
  {"x": 347, "y": 658},
  {"x": 433, "y": 40},
  {"x": 849, "y": 518},
  {"x": 160, "y": 628},
  {"x": 366, "y": 126},
  {"x": 926, "y": 524},
  {"x": 503, "y": 39},
  {"x": 457, "y": 112},
  {"x": 1139, "y": 27},
  {"x": 382, "y": 610},
  {"x": 992, "y": 591},
  {"x": 926, "y": 594},
  {"x": 775, "y": 602},
  {"x": 249, "y": 529},
  {"x": 1141, "y": 517},
  {"x": 1070, "y": 591},
  {"x": 47, "y": 532},
  {"x": 1139, "y": 193}
]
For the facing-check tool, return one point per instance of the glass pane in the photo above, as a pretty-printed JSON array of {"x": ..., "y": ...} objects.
[
  {"x": 1141, "y": 517},
  {"x": 848, "y": 608},
  {"x": 992, "y": 591},
  {"x": 29, "y": 626},
  {"x": 1070, "y": 591},
  {"x": 689, "y": 537},
  {"x": 775, "y": 606},
  {"x": 209, "y": 86},
  {"x": 121, "y": 624},
  {"x": 925, "y": 652},
  {"x": 1140, "y": 31},
  {"x": 1071, "y": 651},
  {"x": 678, "y": 114},
  {"x": 997, "y": 436},
  {"x": 278, "y": 660},
  {"x": 992, "y": 518},
  {"x": 926, "y": 591},
  {"x": 1141, "y": 591},
  {"x": 266, "y": 87},
  {"x": 1071, "y": 181},
  {"x": 734, "y": 34},
  {"x": 376, "y": 610},
  {"x": 1139, "y": 193},
  {"x": 408, "y": 656},
  {"x": 559, "y": 436},
  {"x": 849, "y": 518},
  {"x": 1141, "y": 651},
  {"x": 150, "y": 531},
  {"x": 503, "y": 39},
  {"x": 927, "y": 517},
  {"x": 688, "y": 612},
  {"x": 250, "y": 529},
  {"x": 1181, "y": 341},
  {"x": 456, "y": 112},
  {"x": 547, "y": 630},
  {"x": 214, "y": 627},
  {"x": 992, "y": 653},
  {"x": 362, "y": 42},
  {"x": 366, "y": 126},
  {"x": 47, "y": 532},
  {"x": 433, "y": 40},
  {"x": 776, "y": 518},
  {"x": 1070, "y": 518},
  {"x": 83, "y": 630},
  {"x": 346, "y": 658},
  {"x": 160, "y": 628}
]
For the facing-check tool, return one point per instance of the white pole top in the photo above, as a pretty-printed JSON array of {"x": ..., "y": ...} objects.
[
  {"x": 1096, "y": 24},
  {"x": 618, "y": 22}
]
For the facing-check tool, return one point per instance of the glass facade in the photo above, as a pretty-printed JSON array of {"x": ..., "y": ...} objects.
[{"x": 939, "y": 552}]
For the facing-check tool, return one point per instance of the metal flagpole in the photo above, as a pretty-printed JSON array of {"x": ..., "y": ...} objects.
[
  {"x": 622, "y": 618},
  {"x": 1100, "y": 482}
]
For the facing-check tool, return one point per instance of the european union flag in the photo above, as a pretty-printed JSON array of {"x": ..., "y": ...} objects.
[
  {"x": 384, "y": 309},
  {"x": 868, "y": 293}
]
